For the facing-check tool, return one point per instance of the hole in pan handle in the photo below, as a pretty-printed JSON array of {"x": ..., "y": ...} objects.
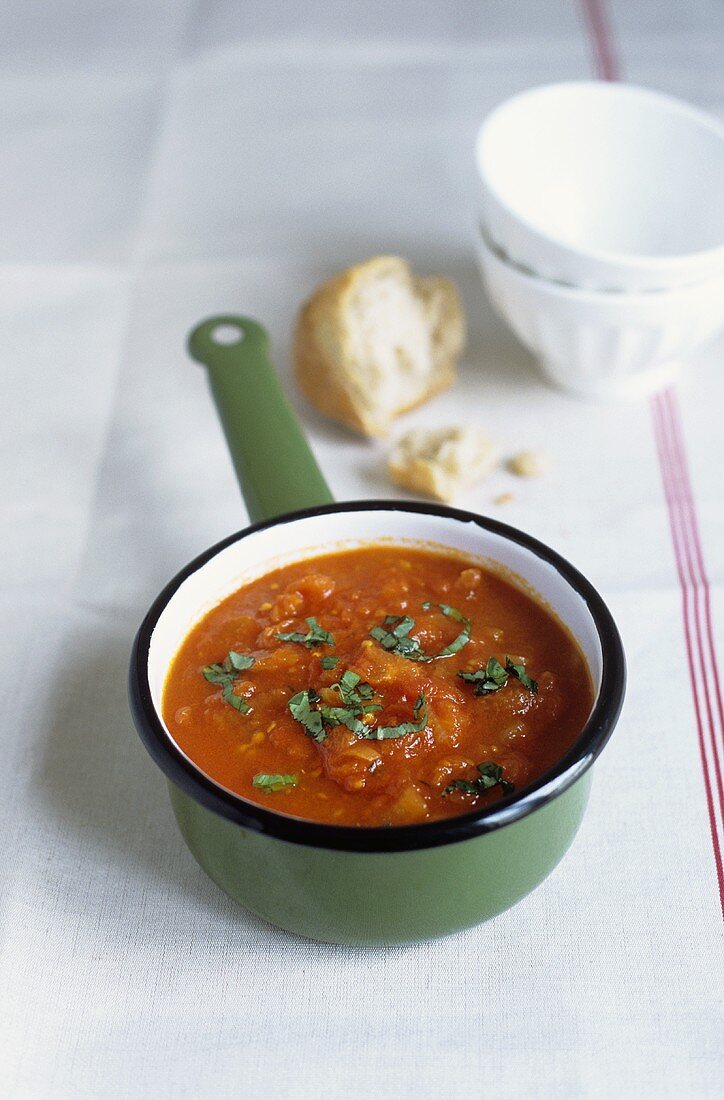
[{"x": 274, "y": 465}]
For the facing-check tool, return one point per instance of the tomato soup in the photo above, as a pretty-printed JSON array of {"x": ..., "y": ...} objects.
[{"x": 377, "y": 686}]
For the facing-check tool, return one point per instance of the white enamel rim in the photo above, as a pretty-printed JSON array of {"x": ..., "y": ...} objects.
[{"x": 256, "y": 550}]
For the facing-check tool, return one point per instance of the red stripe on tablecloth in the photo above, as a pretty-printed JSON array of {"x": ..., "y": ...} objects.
[
  {"x": 702, "y": 578},
  {"x": 697, "y": 575},
  {"x": 596, "y": 17},
  {"x": 680, "y": 533},
  {"x": 699, "y": 589},
  {"x": 693, "y": 579}
]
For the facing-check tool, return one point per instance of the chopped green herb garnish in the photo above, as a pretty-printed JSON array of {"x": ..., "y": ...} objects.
[
  {"x": 238, "y": 702},
  {"x": 317, "y": 635},
  {"x": 240, "y": 661},
  {"x": 393, "y": 636},
  {"x": 343, "y": 716},
  {"x": 348, "y": 681},
  {"x": 317, "y": 718},
  {"x": 493, "y": 677},
  {"x": 491, "y": 775},
  {"x": 355, "y": 692},
  {"x": 300, "y": 706},
  {"x": 520, "y": 674},
  {"x": 329, "y": 662},
  {"x": 383, "y": 733},
  {"x": 274, "y": 782},
  {"x": 467, "y": 786},
  {"x": 216, "y": 674},
  {"x": 486, "y": 680},
  {"x": 463, "y": 637},
  {"x": 224, "y": 675},
  {"x": 356, "y": 695}
]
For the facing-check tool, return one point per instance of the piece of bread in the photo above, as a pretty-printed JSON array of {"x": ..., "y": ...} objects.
[
  {"x": 441, "y": 462},
  {"x": 375, "y": 341}
]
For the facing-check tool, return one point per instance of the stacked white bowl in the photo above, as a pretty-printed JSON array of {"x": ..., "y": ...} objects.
[{"x": 602, "y": 231}]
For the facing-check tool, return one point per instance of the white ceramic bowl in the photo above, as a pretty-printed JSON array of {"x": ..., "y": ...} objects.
[
  {"x": 604, "y": 186},
  {"x": 601, "y": 345}
]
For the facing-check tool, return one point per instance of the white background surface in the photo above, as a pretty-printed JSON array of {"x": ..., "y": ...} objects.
[{"x": 159, "y": 161}]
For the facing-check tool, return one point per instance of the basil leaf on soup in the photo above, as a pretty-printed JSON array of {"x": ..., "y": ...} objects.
[
  {"x": 238, "y": 702},
  {"x": 520, "y": 674},
  {"x": 393, "y": 636},
  {"x": 489, "y": 775},
  {"x": 383, "y": 733},
  {"x": 224, "y": 675},
  {"x": 467, "y": 786},
  {"x": 316, "y": 635},
  {"x": 463, "y": 637},
  {"x": 302, "y": 707},
  {"x": 355, "y": 692},
  {"x": 492, "y": 774},
  {"x": 486, "y": 680},
  {"x": 317, "y": 718},
  {"x": 274, "y": 782},
  {"x": 240, "y": 661},
  {"x": 493, "y": 677},
  {"x": 329, "y": 662},
  {"x": 343, "y": 716}
]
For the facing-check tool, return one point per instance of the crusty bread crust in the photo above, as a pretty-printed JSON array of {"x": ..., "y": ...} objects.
[
  {"x": 321, "y": 352},
  {"x": 318, "y": 348}
]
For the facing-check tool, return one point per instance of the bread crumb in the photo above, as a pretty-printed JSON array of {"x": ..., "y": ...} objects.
[
  {"x": 504, "y": 498},
  {"x": 529, "y": 464},
  {"x": 441, "y": 462}
]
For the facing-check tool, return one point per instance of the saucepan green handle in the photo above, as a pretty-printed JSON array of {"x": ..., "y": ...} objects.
[{"x": 276, "y": 469}]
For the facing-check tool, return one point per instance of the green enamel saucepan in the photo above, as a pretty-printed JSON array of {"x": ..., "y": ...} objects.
[{"x": 343, "y": 884}]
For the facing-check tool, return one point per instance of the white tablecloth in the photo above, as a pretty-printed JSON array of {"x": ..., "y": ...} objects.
[{"x": 159, "y": 161}]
